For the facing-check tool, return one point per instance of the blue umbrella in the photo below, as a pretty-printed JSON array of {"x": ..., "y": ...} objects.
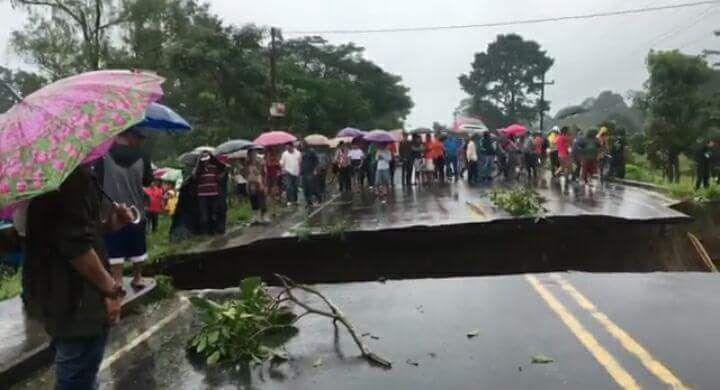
[{"x": 161, "y": 118}]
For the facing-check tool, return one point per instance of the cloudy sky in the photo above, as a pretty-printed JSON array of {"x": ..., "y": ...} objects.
[{"x": 590, "y": 55}]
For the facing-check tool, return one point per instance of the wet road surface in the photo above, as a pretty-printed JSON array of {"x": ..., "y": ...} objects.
[
  {"x": 458, "y": 203},
  {"x": 602, "y": 331}
]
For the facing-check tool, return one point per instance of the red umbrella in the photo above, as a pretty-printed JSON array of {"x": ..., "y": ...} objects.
[
  {"x": 273, "y": 138},
  {"x": 515, "y": 130}
]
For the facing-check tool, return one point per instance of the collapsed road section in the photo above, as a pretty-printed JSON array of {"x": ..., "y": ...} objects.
[{"x": 452, "y": 231}]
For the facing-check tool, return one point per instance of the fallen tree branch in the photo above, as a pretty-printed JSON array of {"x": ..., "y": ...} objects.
[{"x": 335, "y": 314}]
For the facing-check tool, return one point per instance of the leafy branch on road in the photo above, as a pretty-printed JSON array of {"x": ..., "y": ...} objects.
[
  {"x": 251, "y": 327},
  {"x": 518, "y": 202}
]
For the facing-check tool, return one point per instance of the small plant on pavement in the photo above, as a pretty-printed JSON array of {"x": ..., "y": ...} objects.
[{"x": 518, "y": 202}]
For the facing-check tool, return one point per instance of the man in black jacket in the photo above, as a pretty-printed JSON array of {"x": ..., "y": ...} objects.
[{"x": 68, "y": 286}]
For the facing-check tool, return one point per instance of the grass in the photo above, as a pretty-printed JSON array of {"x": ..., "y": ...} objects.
[
  {"x": 640, "y": 170},
  {"x": 158, "y": 242},
  {"x": 9, "y": 283}
]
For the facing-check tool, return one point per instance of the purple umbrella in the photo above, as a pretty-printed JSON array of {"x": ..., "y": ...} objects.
[
  {"x": 379, "y": 136},
  {"x": 350, "y": 132}
]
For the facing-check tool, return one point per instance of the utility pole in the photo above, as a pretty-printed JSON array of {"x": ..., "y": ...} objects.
[
  {"x": 275, "y": 36},
  {"x": 542, "y": 100},
  {"x": 274, "y": 32}
]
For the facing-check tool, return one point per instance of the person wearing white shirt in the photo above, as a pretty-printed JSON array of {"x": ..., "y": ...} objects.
[
  {"x": 472, "y": 159},
  {"x": 290, "y": 164}
]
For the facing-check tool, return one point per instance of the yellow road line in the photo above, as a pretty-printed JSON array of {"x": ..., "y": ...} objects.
[
  {"x": 621, "y": 377},
  {"x": 632, "y": 346}
]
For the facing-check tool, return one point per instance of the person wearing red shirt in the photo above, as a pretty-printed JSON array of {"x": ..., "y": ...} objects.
[
  {"x": 437, "y": 153},
  {"x": 155, "y": 204},
  {"x": 563, "y": 148}
]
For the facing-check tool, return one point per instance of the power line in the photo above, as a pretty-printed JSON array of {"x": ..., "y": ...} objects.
[{"x": 509, "y": 22}]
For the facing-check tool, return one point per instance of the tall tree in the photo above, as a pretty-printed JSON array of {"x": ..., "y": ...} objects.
[
  {"x": 504, "y": 81},
  {"x": 673, "y": 106},
  {"x": 328, "y": 87},
  {"x": 17, "y": 82},
  {"x": 67, "y": 36}
]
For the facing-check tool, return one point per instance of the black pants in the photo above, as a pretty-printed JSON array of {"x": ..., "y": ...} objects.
[
  {"x": 309, "y": 184},
  {"x": 703, "y": 178},
  {"x": 209, "y": 214},
  {"x": 321, "y": 182},
  {"x": 345, "y": 178},
  {"x": 407, "y": 172},
  {"x": 152, "y": 221},
  {"x": 440, "y": 168},
  {"x": 370, "y": 172},
  {"x": 392, "y": 172},
  {"x": 472, "y": 172}
]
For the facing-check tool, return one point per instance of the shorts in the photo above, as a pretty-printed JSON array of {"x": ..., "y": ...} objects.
[
  {"x": 127, "y": 243},
  {"x": 258, "y": 201},
  {"x": 382, "y": 177},
  {"x": 418, "y": 164}
]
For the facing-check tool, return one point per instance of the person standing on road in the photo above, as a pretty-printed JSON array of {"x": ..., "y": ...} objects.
[
  {"x": 322, "y": 172},
  {"x": 472, "y": 159},
  {"x": 552, "y": 150},
  {"x": 702, "y": 165},
  {"x": 451, "y": 146},
  {"x": 290, "y": 165},
  {"x": 406, "y": 159},
  {"x": 418, "y": 156},
  {"x": 530, "y": 156},
  {"x": 342, "y": 162},
  {"x": 577, "y": 152},
  {"x": 382, "y": 175},
  {"x": 123, "y": 173},
  {"x": 309, "y": 164},
  {"x": 590, "y": 155},
  {"x": 67, "y": 284},
  {"x": 437, "y": 152},
  {"x": 210, "y": 174},
  {"x": 356, "y": 162},
  {"x": 254, "y": 172},
  {"x": 486, "y": 153},
  {"x": 562, "y": 142}
]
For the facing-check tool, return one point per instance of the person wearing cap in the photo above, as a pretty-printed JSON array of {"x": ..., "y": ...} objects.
[{"x": 123, "y": 174}]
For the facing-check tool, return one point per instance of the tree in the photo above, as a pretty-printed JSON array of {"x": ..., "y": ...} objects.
[
  {"x": 673, "y": 106},
  {"x": 328, "y": 87},
  {"x": 67, "y": 36},
  {"x": 504, "y": 81},
  {"x": 20, "y": 82}
]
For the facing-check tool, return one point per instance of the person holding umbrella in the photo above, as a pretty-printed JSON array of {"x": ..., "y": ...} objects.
[{"x": 46, "y": 154}]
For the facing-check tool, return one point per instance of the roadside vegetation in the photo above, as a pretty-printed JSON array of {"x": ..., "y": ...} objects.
[
  {"x": 640, "y": 169},
  {"x": 158, "y": 242},
  {"x": 9, "y": 283}
]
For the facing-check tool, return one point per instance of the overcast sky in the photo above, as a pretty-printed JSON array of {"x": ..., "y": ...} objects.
[{"x": 590, "y": 55}]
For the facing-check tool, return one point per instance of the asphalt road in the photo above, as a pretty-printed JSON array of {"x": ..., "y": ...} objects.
[{"x": 601, "y": 331}]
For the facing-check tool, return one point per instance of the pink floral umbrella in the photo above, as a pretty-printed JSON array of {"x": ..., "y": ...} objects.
[
  {"x": 49, "y": 133},
  {"x": 273, "y": 138}
]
